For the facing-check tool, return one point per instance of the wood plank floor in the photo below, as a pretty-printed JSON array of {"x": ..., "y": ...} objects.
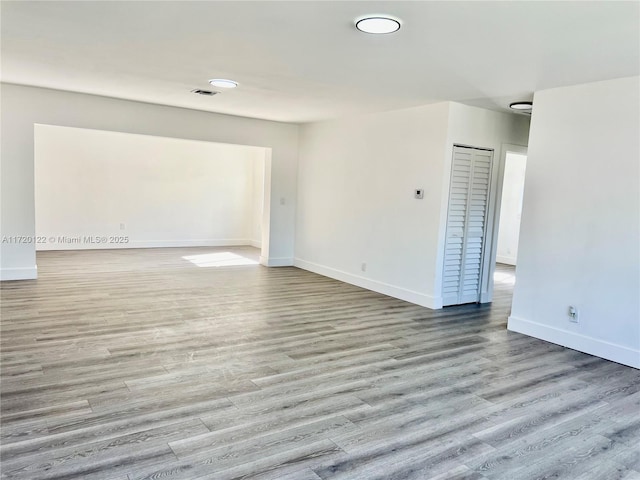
[{"x": 178, "y": 364}]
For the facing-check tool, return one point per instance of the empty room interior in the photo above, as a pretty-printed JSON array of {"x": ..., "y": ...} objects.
[{"x": 302, "y": 240}]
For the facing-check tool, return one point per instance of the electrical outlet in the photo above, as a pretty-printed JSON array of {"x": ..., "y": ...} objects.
[
  {"x": 363, "y": 267},
  {"x": 573, "y": 314},
  {"x": 418, "y": 193},
  {"x": 122, "y": 226}
]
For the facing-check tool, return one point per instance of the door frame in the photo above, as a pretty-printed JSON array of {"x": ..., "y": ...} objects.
[{"x": 493, "y": 220}]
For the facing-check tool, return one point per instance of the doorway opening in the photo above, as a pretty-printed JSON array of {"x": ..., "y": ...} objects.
[
  {"x": 99, "y": 189},
  {"x": 511, "y": 208},
  {"x": 508, "y": 213}
]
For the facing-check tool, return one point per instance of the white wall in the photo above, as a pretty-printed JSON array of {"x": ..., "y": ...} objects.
[
  {"x": 580, "y": 232},
  {"x": 355, "y": 194},
  {"x": 257, "y": 200},
  {"x": 23, "y": 107},
  {"x": 511, "y": 208},
  {"x": 142, "y": 191},
  {"x": 356, "y": 202}
]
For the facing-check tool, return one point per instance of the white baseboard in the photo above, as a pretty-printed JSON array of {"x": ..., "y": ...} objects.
[
  {"x": 207, "y": 242},
  {"x": 19, "y": 273},
  {"x": 379, "y": 287},
  {"x": 255, "y": 243},
  {"x": 582, "y": 343},
  {"x": 506, "y": 260},
  {"x": 276, "y": 261}
]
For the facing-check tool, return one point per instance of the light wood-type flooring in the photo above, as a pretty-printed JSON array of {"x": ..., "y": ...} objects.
[{"x": 196, "y": 364}]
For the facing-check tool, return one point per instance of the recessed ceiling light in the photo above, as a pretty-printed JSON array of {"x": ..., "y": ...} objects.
[
  {"x": 378, "y": 24},
  {"x": 223, "y": 83},
  {"x": 521, "y": 105}
]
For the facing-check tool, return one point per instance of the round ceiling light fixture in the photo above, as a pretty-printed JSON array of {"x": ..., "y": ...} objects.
[
  {"x": 223, "y": 83},
  {"x": 521, "y": 106},
  {"x": 378, "y": 24}
]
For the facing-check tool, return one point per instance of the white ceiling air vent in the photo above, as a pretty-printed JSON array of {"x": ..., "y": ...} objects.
[{"x": 206, "y": 93}]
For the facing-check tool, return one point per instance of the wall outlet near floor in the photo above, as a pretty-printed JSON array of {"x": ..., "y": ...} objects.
[
  {"x": 573, "y": 314},
  {"x": 363, "y": 267}
]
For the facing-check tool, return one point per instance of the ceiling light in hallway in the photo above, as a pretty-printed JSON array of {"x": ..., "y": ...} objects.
[{"x": 521, "y": 106}]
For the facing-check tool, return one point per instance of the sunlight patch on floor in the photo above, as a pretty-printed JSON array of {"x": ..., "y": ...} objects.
[
  {"x": 504, "y": 278},
  {"x": 219, "y": 259}
]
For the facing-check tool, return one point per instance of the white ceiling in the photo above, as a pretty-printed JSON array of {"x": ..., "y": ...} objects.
[{"x": 299, "y": 61}]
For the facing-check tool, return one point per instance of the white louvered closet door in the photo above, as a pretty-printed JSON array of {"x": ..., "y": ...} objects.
[{"x": 466, "y": 225}]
